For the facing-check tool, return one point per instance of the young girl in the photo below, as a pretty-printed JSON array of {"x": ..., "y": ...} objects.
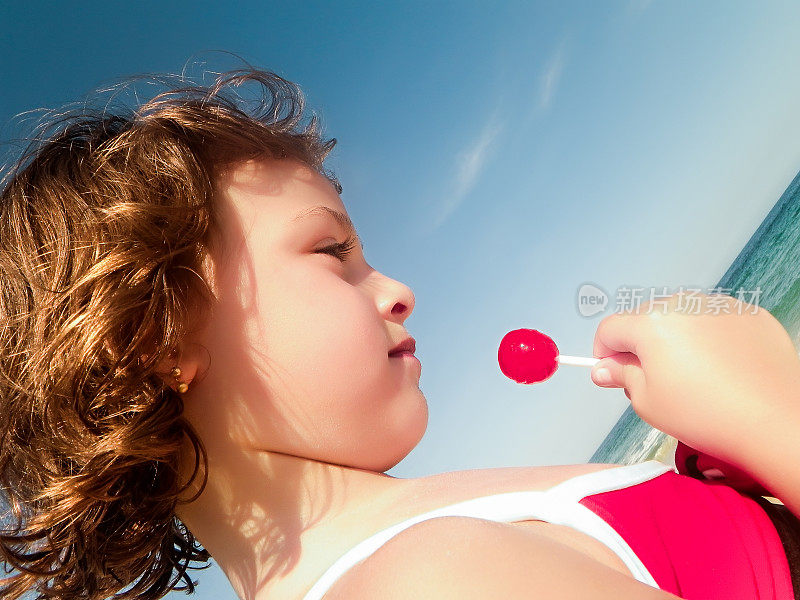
[{"x": 198, "y": 359}]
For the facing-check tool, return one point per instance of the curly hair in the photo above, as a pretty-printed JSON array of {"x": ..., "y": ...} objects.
[{"x": 105, "y": 221}]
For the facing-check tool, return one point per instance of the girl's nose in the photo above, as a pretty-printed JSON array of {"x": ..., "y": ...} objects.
[{"x": 396, "y": 302}]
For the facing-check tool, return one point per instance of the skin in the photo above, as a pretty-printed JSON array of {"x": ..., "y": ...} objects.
[
  {"x": 725, "y": 381},
  {"x": 300, "y": 409}
]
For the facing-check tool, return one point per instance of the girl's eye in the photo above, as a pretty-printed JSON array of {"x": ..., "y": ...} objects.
[{"x": 340, "y": 251}]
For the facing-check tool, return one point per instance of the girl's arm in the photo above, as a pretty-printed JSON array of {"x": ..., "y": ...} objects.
[
  {"x": 774, "y": 459},
  {"x": 722, "y": 376}
]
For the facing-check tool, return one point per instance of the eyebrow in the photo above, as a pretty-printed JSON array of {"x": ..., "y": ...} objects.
[{"x": 342, "y": 219}]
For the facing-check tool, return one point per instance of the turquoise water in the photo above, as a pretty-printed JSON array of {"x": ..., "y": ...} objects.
[{"x": 768, "y": 261}]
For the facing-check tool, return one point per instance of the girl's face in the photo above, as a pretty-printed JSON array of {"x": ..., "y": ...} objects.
[{"x": 299, "y": 339}]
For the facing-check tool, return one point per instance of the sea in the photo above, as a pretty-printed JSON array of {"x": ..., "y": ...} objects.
[{"x": 769, "y": 262}]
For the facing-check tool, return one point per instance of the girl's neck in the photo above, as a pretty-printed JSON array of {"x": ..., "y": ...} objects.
[{"x": 258, "y": 509}]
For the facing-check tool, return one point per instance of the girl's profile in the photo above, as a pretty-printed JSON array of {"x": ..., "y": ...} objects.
[{"x": 198, "y": 360}]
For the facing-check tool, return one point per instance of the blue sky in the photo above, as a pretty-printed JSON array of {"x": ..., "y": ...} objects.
[{"x": 494, "y": 157}]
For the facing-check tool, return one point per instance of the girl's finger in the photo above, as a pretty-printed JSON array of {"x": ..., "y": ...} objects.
[
  {"x": 618, "y": 332},
  {"x": 622, "y": 370}
]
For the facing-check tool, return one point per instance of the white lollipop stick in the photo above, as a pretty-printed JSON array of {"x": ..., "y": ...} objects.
[{"x": 578, "y": 361}]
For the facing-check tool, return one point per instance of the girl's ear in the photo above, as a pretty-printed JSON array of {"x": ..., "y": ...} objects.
[{"x": 181, "y": 371}]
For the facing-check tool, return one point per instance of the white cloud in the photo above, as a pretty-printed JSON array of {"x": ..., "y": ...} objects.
[
  {"x": 472, "y": 159},
  {"x": 551, "y": 76},
  {"x": 469, "y": 165}
]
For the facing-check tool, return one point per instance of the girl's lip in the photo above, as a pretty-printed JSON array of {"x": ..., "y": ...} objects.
[
  {"x": 407, "y": 345},
  {"x": 408, "y": 359}
]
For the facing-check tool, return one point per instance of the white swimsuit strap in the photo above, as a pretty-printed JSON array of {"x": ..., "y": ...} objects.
[
  {"x": 559, "y": 505},
  {"x": 608, "y": 480}
]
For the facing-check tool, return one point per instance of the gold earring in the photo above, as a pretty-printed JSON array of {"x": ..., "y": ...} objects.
[{"x": 176, "y": 373}]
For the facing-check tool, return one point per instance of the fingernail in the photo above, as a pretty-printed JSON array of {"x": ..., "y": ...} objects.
[{"x": 602, "y": 376}]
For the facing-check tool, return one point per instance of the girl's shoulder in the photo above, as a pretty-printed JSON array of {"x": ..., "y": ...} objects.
[
  {"x": 464, "y": 557},
  {"x": 422, "y": 495},
  {"x": 456, "y": 486}
]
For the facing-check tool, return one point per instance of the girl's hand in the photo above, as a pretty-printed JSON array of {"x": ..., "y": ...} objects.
[{"x": 722, "y": 383}]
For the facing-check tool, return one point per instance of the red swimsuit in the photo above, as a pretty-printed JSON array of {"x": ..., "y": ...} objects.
[{"x": 699, "y": 540}]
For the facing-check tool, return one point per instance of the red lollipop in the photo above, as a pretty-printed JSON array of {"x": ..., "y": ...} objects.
[{"x": 530, "y": 356}]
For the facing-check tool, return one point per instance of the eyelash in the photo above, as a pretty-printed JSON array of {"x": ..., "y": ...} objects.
[{"x": 340, "y": 251}]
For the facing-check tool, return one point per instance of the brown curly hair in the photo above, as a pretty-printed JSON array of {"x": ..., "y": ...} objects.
[{"x": 105, "y": 222}]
